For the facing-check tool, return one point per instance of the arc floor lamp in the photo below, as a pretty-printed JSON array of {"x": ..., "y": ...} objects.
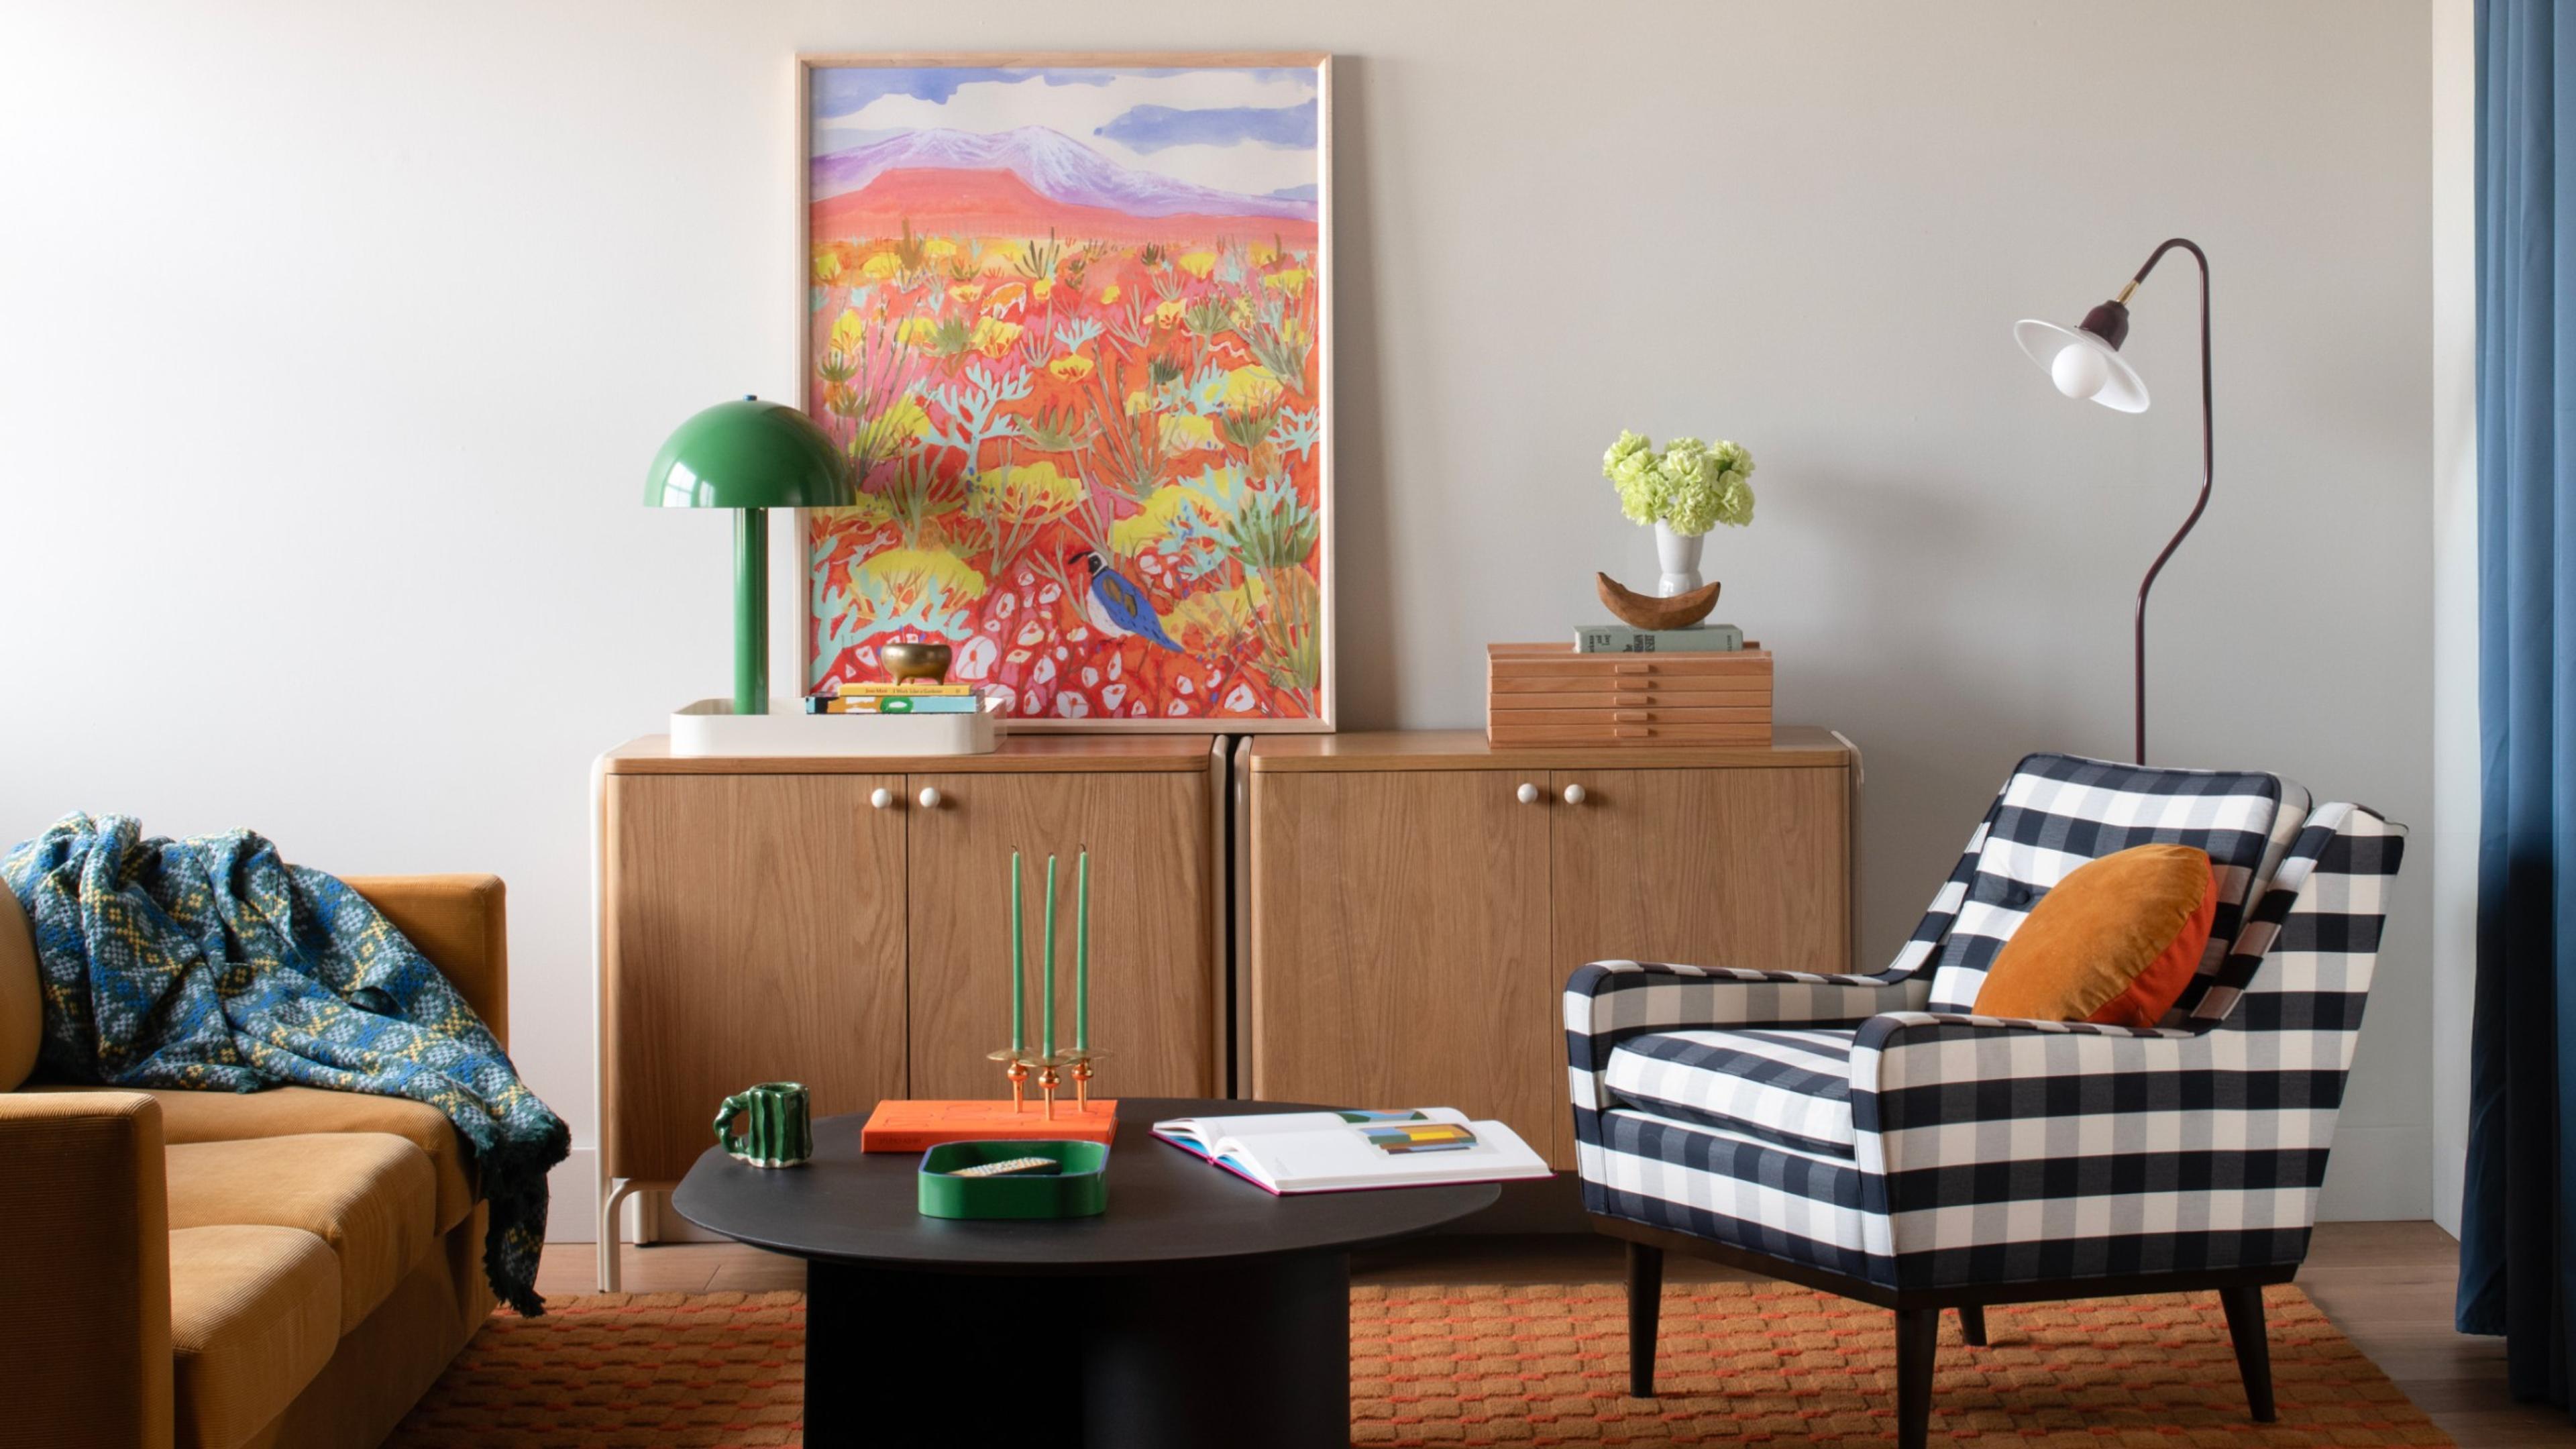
[{"x": 2084, "y": 361}]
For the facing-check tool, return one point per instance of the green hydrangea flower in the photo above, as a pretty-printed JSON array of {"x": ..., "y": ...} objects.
[{"x": 1690, "y": 487}]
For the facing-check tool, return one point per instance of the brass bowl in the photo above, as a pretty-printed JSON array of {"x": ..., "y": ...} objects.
[{"x": 916, "y": 661}]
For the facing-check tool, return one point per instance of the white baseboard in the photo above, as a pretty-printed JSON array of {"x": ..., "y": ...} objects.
[{"x": 2378, "y": 1174}]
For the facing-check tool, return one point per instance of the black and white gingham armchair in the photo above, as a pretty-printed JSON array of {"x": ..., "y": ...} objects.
[{"x": 1870, "y": 1136}]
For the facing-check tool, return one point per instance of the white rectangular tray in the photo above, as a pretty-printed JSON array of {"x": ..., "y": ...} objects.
[{"x": 710, "y": 727}]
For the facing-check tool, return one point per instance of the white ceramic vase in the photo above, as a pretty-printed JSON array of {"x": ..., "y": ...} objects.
[{"x": 1678, "y": 554}]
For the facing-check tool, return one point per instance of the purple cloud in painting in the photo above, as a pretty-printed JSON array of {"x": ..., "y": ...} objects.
[
  {"x": 1151, "y": 128},
  {"x": 842, "y": 89},
  {"x": 1054, "y": 166}
]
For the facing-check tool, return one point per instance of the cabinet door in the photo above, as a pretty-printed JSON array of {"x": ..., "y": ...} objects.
[
  {"x": 1400, "y": 946},
  {"x": 1703, "y": 867},
  {"x": 1153, "y": 979},
  {"x": 753, "y": 933}
]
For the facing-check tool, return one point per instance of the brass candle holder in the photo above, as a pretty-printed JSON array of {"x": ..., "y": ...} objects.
[
  {"x": 1080, "y": 1059},
  {"x": 1016, "y": 1059},
  {"x": 1051, "y": 1077},
  {"x": 1017, "y": 1071}
]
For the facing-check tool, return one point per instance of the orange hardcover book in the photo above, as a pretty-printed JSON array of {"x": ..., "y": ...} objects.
[{"x": 918, "y": 1126}]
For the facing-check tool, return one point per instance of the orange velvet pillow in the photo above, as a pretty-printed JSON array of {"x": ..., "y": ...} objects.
[{"x": 2115, "y": 942}]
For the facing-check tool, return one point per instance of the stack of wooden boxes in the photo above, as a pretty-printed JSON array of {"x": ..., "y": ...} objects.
[{"x": 1547, "y": 694}]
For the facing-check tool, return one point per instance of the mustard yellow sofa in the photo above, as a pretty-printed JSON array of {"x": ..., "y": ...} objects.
[{"x": 206, "y": 1270}]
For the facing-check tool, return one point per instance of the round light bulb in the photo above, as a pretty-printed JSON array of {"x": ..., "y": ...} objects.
[{"x": 2080, "y": 371}]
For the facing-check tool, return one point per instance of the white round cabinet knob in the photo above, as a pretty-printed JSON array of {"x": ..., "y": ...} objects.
[
  {"x": 929, "y": 798},
  {"x": 1573, "y": 794},
  {"x": 1528, "y": 793},
  {"x": 881, "y": 797}
]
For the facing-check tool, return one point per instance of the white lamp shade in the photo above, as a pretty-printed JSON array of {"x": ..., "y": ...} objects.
[{"x": 2043, "y": 341}]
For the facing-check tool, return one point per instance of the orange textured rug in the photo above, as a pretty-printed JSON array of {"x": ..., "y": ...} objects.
[{"x": 1758, "y": 1363}]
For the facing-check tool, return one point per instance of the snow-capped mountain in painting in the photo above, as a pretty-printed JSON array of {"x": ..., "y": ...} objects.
[{"x": 1052, "y": 164}]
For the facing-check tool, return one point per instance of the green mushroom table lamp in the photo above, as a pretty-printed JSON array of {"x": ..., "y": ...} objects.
[{"x": 749, "y": 456}]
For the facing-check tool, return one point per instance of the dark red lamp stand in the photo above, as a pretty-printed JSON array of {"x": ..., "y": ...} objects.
[{"x": 2085, "y": 362}]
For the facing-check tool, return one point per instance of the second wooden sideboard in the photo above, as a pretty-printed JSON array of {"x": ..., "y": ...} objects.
[{"x": 1417, "y": 899}]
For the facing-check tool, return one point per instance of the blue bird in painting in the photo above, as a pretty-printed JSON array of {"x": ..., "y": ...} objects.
[{"x": 1117, "y": 607}]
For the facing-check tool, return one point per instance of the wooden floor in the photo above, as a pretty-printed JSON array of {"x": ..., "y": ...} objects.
[{"x": 2386, "y": 1285}]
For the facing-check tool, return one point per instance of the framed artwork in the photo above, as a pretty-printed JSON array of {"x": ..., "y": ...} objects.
[{"x": 1069, "y": 317}]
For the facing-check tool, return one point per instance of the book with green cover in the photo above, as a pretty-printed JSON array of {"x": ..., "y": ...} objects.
[
  {"x": 1627, "y": 639},
  {"x": 894, "y": 704}
]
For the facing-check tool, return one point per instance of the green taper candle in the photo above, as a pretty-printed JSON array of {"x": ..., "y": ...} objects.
[
  {"x": 1082, "y": 951},
  {"x": 1049, "y": 977},
  {"x": 1019, "y": 986}
]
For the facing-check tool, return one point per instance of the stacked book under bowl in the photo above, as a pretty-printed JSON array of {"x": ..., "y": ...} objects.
[
  {"x": 902, "y": 696},
  {"x": 1615, "y": 685}
]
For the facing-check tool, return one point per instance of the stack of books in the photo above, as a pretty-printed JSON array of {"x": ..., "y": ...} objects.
[
  {"x": 907, "y": 697},
  {"x": 1555, "y": 694},
  {"x": 1629, "y": 639}
]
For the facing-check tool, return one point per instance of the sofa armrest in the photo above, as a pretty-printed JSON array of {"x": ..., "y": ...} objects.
[
  {"x": 1608, "y": 1002},
  {"x": 85, "y": 1281},
  {"x": 458, "y": 922}
]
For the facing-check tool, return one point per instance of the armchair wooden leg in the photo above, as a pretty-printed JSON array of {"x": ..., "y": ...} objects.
[
  {"x": 1918, "y": 1338},
  {"x": 2253, "y": 1347},
  {"x": 1645, "y": 1311},
  {"x": 1972, "y": 1324}
]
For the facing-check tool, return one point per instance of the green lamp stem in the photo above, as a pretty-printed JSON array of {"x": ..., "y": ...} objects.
[{"x": 751, "y": 611}]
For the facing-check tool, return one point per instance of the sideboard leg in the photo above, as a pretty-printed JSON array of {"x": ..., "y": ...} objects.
[{"x": 610, "y": 1200}]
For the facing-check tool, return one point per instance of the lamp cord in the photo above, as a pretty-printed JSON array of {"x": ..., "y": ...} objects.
[{"x": 2208, "y": 472}]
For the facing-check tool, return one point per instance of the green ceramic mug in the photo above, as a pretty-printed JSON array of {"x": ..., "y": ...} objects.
[{"x": 778, "y": 1125}]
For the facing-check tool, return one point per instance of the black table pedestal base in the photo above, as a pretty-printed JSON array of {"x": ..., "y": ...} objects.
[{"x": 1250, "y": 1354}]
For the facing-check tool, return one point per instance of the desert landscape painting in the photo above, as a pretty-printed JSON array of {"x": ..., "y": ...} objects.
[{"x": 1067, "y": 323}]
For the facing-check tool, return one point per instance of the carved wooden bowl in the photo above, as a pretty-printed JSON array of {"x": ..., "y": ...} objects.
[{"x": 1645, "y": 611}]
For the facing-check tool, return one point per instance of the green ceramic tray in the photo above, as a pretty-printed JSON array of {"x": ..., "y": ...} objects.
[{"x": 1080, "y": 1191}]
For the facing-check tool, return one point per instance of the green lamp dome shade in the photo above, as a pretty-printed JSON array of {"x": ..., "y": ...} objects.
[{"x": 749, "y": 454}]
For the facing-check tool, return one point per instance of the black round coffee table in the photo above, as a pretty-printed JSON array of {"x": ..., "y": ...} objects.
[{"x": 1197, "y": 1311}]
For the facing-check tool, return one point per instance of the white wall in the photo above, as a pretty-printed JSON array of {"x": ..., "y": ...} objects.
[
  {"x": 334, "y": 339},
  {"x": 2454, "y": 836}
]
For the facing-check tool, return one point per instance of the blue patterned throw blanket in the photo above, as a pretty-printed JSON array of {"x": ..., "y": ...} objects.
[{"x": 210, "y": 964}]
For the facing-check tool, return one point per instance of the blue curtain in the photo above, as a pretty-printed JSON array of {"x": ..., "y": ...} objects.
[{"x": 2517, "y": 1271}]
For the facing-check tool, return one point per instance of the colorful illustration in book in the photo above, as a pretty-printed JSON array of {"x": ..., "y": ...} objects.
[
  {"x": 1065, "y": 324},
  {"x": 1419, "y": 1137}
]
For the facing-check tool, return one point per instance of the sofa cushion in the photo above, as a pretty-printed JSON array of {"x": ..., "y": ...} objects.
[
  {"x": 254, "y": 1316},
  {"x": 293, "y": 1111},
  {"x": 370, "y": 1196},
  {"x": 1788, "y": 1087},
  {"x": 22, "y": 996}
]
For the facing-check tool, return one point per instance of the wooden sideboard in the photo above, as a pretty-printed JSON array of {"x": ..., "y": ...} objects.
[
  {"x": 842, "y": 922},
  {"x": 1417, "y": 899}
]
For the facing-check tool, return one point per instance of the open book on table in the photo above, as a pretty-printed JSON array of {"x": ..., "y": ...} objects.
[{"x": 1287, "y": 1152}]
